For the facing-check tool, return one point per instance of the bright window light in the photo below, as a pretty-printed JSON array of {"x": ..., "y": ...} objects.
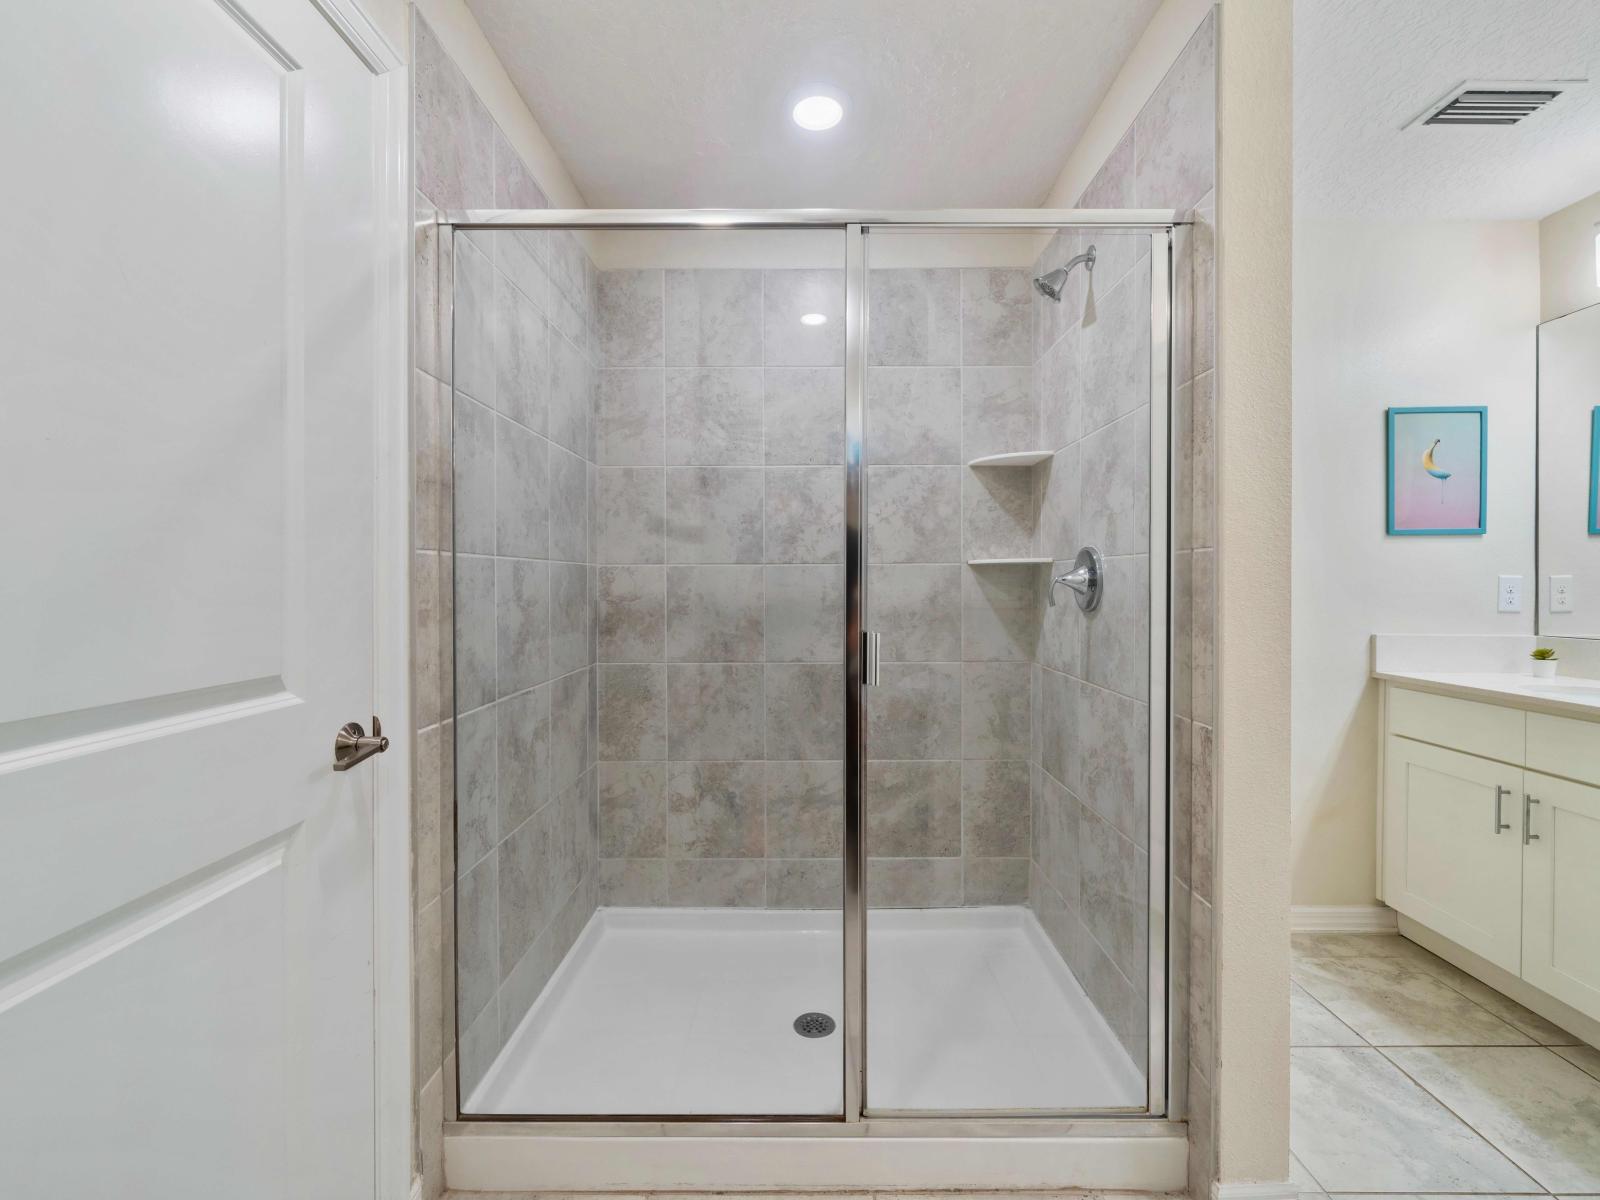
[
  {"x": 818, "y": 112},
  {"x": 814, "y": 319}
]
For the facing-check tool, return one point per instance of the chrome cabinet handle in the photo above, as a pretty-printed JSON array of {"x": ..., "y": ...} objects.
[
  {"x": 872, "y": 653},
  {"x": 351, "y": 745},
  {"x": 1500, "y": 793},
  {"x": 1527, "y": 818}
]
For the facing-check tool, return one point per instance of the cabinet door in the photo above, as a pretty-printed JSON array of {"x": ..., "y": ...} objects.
[
  {"x": 1561, "y": 891},
  {"x": 1452, "y": 854}
]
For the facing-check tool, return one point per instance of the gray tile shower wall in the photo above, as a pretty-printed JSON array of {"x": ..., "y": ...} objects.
[
  {"x": 949, "y": 379},
  {"x": 1090, "y": 787},
  {"x": 525, "y": 582},
  {"x": 719, "y": 436},
  {"x": 503, "y": 597},
  {"x": 1088, "y": 767},
  {"x": 719, "y": 533}
]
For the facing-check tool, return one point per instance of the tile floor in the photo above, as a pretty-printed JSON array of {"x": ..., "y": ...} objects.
[
  {"x": 1411, "y": 1077},
  {"x": 691, "y": 1011}
]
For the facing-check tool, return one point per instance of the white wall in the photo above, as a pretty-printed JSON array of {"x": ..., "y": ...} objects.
[
  {"x": 1393, "y": 314},
  {"x": 1566, "y": 259}
]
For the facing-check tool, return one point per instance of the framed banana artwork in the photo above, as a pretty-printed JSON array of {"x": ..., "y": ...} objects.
[{"x": 1437, "y": 471}]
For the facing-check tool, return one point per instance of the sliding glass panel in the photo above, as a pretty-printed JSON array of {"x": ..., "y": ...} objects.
[
  {"x": 1008, "y": 440},
  {"x": 648, "y": 556}
]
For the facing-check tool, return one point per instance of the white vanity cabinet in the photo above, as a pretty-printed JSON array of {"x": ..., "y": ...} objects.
[
  {"x": 1451, "y": 860},
  {"x": 1561, "y": 891},
  {"x": 1491, "y": 835}
]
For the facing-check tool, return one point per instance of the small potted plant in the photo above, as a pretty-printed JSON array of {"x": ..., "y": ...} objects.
[{"x": 1544, "y": 663}]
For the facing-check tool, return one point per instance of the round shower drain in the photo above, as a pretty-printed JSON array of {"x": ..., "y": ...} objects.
[{"x": 813, "y": 1025}]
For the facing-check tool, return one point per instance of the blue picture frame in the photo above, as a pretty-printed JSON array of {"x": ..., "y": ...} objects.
[
  {"x": 1482, "y": 524},
  {"x": 1594, "y": 470}
]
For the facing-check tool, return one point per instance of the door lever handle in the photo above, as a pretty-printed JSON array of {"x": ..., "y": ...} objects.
[{"x": 351, "y": 745}]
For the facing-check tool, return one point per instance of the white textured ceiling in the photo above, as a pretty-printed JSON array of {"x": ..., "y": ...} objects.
[
  {"x": 1364, "y": 68},
  {"x": 685, "y": 103}
]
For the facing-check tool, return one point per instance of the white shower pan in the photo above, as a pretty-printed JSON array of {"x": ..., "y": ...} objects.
[{"x": 692, "y": 1012}]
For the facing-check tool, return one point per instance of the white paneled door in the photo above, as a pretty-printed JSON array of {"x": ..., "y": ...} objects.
[{"x": 191, "y": 350}]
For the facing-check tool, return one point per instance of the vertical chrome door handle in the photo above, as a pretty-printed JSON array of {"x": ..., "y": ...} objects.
[
  {"x": 872, "y": 655},
  {"x": 1500, "y": 793},
  {"x": 1527, "y": 818}
]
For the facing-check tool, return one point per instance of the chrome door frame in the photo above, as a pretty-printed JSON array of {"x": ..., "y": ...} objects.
[
  {"x": 857, "y": 225},
  {"x": 1159, "y": 1067},
  {"x": 855, "y": 698}
]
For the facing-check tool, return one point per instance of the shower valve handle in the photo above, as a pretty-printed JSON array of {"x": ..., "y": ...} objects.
[{"x": 1086, "y": 579}]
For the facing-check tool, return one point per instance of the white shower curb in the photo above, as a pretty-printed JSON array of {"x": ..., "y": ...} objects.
[{"x": 856, "y": 1157}]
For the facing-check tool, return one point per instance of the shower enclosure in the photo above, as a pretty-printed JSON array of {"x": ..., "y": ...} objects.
[{"x": 799, "y": 773}]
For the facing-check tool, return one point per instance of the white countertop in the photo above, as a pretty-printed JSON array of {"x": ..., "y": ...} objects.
[
  {"x": 1492, "y": 669},
  {"x": 1573, "y": 697}
]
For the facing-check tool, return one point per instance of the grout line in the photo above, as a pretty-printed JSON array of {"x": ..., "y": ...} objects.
[
  {"x": 1449, "y": 983},
  {"x": 1319, "y": 1003},
  {"x": 1295, "y": 1159},
  {"x": 1479, "y": 1134},
  {"x": 1383, "y": 1052},
  {"x": 1415, "y": 968}
]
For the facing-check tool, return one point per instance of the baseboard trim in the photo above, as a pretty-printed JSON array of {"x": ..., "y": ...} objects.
[
  {"x": 1342, "y": 918},
  {"x": 1254, "y": 1191}
]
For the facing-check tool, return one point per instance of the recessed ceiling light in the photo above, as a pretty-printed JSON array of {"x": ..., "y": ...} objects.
[
  {"x": 818, "y": 112},
  {"x": 814, "y": 319}
]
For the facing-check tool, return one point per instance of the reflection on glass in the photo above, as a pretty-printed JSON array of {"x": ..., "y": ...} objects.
[
  {"x": 648, "y": 471},
  {"x": 1008, "y": 425},
  {"x": 649, "y": 727}
]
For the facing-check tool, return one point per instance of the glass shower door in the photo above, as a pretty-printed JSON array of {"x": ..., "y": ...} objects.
[
  {"x": 699, "y": 870},
  {"x": 1014, "y": 391},
  {"x": 648, "y": 466}
]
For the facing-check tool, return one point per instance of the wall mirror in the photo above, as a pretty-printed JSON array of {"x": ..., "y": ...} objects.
[{"x": 1569, "y": 493}]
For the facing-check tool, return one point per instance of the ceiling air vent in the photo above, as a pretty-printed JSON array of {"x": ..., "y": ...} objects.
[{"x": 1498, "y": 102}]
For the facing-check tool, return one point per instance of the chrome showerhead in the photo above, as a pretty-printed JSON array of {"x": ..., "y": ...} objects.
[{"x": 1051, "y": 283}]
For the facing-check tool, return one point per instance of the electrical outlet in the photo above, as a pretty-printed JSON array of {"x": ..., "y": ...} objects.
[
  {"x": 1561, "y": 596},
  {"x": 1510, "y": 593}
]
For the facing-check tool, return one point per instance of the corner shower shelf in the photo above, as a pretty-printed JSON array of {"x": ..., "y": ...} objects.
[
  {"x": 1019, "y": 458},
  {"x": 1009, "y": 562}
]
